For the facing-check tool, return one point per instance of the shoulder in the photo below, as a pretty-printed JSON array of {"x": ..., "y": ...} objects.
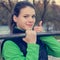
[
  {"x": 9, "y": 42},
  {"x": 10, "y": 49},
  {"x": 10, "y": 45}
]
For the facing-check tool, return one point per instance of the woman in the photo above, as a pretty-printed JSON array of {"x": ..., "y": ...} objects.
[{"x": 30, "y": 47}]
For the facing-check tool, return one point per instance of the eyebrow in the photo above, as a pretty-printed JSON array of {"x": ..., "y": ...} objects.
[{"x": 29, "y": 14}]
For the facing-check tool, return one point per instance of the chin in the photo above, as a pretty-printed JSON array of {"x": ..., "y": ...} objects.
[{"x": 28, "y": 28}]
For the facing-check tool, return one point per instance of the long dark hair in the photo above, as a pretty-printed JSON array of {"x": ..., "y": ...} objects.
[{"x": 17, "y": 10}]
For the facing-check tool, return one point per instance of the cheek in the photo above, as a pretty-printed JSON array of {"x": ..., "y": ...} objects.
[
  {"x": 19, "y": 22},
  {"x": 22, "y": 23}
]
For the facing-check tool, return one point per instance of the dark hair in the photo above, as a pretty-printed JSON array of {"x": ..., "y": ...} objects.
[{"x": 17, "y": 10}]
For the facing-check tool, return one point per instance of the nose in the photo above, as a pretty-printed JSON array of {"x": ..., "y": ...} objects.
[{"x": 31, "y": 20}]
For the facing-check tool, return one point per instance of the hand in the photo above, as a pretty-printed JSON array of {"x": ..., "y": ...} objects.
[
  {"x": 30, "y": 36},
  {"x": 39, "y": 28}
]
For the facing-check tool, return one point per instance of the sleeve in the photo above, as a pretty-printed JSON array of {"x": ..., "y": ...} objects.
[
  {"x": 12, "y": 52},
  {"x": 53, "y": 46}
]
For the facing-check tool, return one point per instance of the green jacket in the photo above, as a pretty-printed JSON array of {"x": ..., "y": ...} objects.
[{"x": 12, "y": 52}]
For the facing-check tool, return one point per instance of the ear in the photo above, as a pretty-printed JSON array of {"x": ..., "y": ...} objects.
[{"x": 15, "y": 18}]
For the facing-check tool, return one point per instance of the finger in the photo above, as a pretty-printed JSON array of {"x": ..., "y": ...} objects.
[
  {"x": 35, "y": 27},
  {"x": 38, "y": 30},
  {"x": 24, "y": 39},
  {"x": 40, "y": 23},
  {"x": 29, "y": 29}
]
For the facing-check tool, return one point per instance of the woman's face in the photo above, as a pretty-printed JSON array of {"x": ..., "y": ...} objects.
[{"x": 26, "y": 18}]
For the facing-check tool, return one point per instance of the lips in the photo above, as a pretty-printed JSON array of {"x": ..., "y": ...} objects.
[{"x": 30, "y": 25}]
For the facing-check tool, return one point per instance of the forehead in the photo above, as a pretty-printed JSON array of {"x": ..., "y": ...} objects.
[{"x": 27, "y": 10}]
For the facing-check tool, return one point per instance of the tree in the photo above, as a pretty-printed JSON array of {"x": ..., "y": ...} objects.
[
  {"x": 41, "y": 9},
  {"x": 6, "y": 7}
]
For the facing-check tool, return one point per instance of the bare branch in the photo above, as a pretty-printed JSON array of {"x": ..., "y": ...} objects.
[
  {"x": 3, "y": 5},
  {"x": 48, "y": 2},
  {"x": 45, "y": 2},
  {"x": 10, "y": 3}
]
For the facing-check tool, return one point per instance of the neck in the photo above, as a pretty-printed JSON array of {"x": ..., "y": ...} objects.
[{"x": 18, "y": 30}]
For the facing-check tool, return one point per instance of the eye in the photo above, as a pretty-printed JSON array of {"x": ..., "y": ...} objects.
[
  {"x": 33, "y": 16},
  {"x": 26, "y": 16}
]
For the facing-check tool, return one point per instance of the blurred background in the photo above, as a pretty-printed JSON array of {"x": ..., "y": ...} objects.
[{"x": 47, "y": 10}]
